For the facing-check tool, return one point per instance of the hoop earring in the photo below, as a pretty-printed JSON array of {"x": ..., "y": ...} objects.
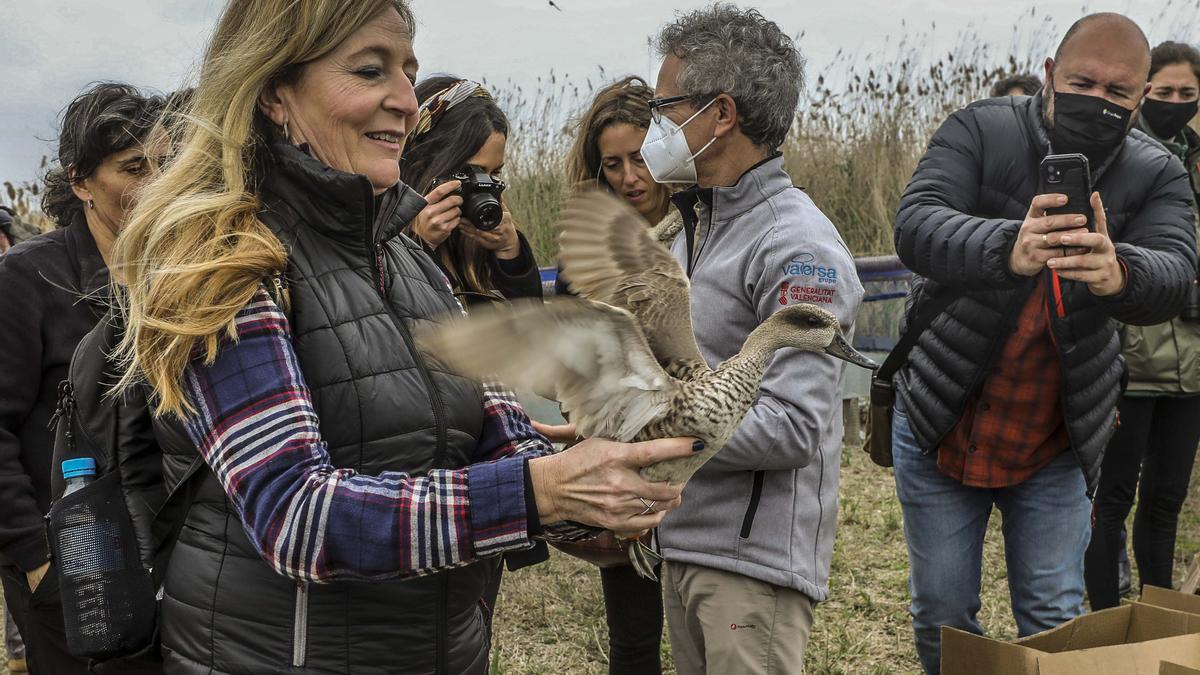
[
  {"x": 286, "y": 136},
  {"x": 91, "y": 204}
]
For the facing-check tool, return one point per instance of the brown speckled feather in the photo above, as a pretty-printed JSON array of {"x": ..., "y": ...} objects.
[
  {"x": 591, "y": 357},
  {"x": 625, "y": 362},
  {"x": 609, "y": 255}
]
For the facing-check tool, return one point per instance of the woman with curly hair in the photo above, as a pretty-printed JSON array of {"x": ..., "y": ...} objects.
[{"x": 53, "y": 292}]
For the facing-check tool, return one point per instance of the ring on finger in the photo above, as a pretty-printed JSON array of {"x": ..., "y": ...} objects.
[
  {"x": 649, "y": 506},
  {"x": 1045, "y": 239}
]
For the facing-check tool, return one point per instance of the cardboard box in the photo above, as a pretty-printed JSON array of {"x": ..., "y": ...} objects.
[
  {"x": 1162, "y": 597},
  {"x": 1130, "y": 640}
]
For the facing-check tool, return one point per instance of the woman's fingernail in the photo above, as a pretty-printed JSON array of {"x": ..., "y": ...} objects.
[{"x": 697, "y": 446}]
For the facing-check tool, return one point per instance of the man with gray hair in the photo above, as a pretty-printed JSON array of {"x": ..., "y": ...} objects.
[{"x": 748, "y": 553}]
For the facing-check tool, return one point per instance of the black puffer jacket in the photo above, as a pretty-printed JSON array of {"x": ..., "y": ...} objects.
[
  {"x": 956, "y": 227},
  {"x": 357, "y": 289},
  {"x": 52, "y": 291}
]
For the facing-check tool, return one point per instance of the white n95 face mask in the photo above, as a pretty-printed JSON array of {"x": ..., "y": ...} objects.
[{"x": 666, "y": 153}]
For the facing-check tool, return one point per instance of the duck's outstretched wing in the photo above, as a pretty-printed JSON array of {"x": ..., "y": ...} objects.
[
  {"x": 608, "y": 254},
  {"x": 592, "y": 358}
]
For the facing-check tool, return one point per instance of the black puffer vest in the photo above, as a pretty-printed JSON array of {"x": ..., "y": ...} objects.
[
  {"x": 357, "y": 289},
  {"x": 956, "y": 227}
]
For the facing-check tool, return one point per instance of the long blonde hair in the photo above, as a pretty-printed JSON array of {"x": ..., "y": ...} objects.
[{"x": 194, "y": 252}]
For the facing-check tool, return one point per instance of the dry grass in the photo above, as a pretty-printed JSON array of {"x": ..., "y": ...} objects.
[
  {"x": 855, "y": 142},
  {"x": 550, "y": 618}
]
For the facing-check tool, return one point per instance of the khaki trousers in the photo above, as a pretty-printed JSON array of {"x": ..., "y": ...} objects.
[{"x": 722, "y": 623}]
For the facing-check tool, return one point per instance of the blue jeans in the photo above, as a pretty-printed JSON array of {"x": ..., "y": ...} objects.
[{"x": 1047, "y": 526}]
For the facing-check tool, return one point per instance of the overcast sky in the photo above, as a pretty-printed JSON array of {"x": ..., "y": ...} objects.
[{"x": 50, "y": 49}]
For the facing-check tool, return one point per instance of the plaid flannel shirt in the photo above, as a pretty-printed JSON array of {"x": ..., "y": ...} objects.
[
  {"x": 257, "y": 429},
  {"x": 1015, "y": 425}
]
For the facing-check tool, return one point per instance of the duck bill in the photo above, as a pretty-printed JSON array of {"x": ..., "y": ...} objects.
[{"x": 842, "y": 350}]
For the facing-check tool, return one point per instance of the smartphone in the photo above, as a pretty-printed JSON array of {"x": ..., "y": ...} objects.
[{"x": 1068, "y": 175}]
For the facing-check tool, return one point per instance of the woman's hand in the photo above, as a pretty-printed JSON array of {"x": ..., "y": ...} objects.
[
  {"x": 597, "y": 483},
  {"x": 440, "y": 216},
  {"x": 557, "y": 433},
  {"x": 501, "y": 241},
  {"x": 34, "y": 578}
]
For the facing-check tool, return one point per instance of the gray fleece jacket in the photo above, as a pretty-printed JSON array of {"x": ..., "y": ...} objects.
[{"x": 765, "y": 506}]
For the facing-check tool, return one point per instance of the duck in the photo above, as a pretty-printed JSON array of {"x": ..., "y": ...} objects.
[{"x": 622, "y": 358}]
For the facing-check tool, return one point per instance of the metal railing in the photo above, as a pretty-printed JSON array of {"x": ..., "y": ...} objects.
[{"x": 880, "y": 270}]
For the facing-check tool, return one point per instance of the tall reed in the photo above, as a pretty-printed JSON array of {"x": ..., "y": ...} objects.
[{"x": 861, "y": 127}]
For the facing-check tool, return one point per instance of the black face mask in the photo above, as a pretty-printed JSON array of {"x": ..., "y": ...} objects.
[
  {"x": 1087, "y": 124},
  {"x": 1168, "y": 119}
]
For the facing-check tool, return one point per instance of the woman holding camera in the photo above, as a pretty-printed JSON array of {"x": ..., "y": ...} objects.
[
  {"x": 1160, "y": 411},
  {"x": 455, "y": 156},
  {"x": 607, "y": 150},
  {"x": 335, "y": 452}
]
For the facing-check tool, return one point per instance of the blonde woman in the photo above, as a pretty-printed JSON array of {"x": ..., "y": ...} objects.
[{"x": 335, "y": 452}]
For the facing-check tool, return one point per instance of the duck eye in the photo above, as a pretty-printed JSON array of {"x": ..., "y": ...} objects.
[{"x": 815, "y": 322}]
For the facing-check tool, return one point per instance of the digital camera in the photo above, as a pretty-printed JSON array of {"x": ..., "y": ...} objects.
[{"x": 481, "y": 197}]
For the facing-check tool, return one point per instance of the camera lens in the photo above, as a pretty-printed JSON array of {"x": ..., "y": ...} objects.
[
  {"x": 488, "y": 215},
  {"x": 483, "y": 210}
]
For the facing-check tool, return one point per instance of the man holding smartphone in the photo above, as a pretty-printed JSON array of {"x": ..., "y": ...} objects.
[{"x": 1009, "y": 397}]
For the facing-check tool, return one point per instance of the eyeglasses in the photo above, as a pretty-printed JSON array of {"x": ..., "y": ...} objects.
[{"x": 657, "y": 104}]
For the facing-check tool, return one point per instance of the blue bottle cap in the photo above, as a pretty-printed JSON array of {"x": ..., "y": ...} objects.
[{"x": 80, "y": 466}]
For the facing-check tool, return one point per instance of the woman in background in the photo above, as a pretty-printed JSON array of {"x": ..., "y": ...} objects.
[
  {"x": 1152, "y": 452},
  {"x": 54, "y": 291},
  {"x": 462, "y": 129},
  {"x": 607, "y": 150}
]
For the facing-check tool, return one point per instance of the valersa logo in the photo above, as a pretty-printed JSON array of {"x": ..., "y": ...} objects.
[
  {"x": 805, "y": 265},
  {"x": 741, "y": 626},
  {"x": 1110, "y": 113}
]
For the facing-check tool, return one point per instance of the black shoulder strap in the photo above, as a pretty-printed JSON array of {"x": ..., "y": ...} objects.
[{"x": 936, "y": 304}]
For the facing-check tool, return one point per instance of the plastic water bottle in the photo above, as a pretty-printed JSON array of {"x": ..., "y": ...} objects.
[
  {"x": 78, "y": 473},
  {"x": 107, "y": 596}
]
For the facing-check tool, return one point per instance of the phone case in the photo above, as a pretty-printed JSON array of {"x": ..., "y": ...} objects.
[{"x": 1069, "y": 175}]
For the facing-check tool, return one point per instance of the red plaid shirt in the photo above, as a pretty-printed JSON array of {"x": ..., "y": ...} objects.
[{"x": 1014, "y": 425}]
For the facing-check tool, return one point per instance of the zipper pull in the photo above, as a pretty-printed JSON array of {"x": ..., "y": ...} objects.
[
  {"x": 382, "y": 273},
  {"x": 65, "y": 404},
  {"x": 65, "y": 409},
  {"x": 281, "y": 295}
]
